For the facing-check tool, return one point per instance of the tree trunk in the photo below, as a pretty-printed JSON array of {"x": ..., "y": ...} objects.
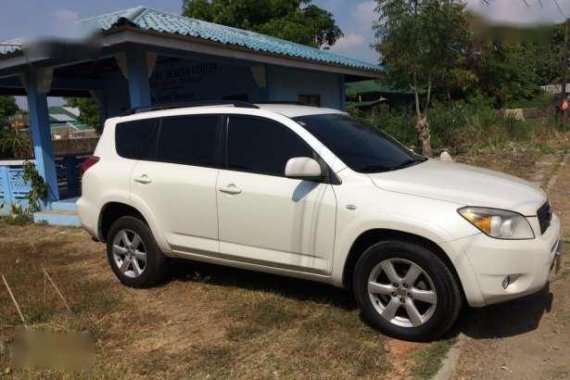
[
  {"x": 422, "y": 125},
  {"x": 424, "y": 137}
]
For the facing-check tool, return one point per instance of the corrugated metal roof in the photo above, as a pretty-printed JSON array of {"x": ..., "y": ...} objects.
[{"x": 154, "y": 20}]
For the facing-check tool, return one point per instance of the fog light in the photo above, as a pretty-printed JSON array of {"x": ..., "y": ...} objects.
[{"x": 506, "y": 282}]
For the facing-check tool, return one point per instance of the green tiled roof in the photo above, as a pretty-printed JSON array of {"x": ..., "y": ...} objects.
[{"x": 153, "y": 20}]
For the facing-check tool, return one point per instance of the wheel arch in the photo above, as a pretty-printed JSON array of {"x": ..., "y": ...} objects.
[
  {"x": 112, "y": 211},
  {"x": 373, "y": 236}
]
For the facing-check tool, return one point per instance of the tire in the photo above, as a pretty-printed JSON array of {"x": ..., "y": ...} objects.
[
  {"x": 434, "y": 292},
  {"x": 140, "y": 266}
]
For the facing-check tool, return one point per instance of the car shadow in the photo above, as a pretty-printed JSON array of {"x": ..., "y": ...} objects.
[
  {"x": 496, "y": 321},
  {"x": 302, "y": 290},
  {"x": 506, "y": 319}
]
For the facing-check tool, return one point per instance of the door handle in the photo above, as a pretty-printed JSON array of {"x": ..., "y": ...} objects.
[
  {"x": 144, "y": 179},
  {"x": 231, "y": 189}
]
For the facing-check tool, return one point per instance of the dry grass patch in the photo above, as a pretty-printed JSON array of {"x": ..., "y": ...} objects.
[{"x": 204, "y": 322}]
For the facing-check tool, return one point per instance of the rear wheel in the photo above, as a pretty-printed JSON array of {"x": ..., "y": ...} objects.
[
  {"x": 406, "y": 291},
  {"x": 133, "y": 253}
]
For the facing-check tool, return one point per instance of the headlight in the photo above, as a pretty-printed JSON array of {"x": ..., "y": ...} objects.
[{"x": 499, "y": 224}]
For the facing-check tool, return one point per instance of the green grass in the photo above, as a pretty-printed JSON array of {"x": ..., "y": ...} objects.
[{"x": 428, "y": 360}]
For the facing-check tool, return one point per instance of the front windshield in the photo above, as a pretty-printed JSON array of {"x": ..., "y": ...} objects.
[{"x": 362, "y": 147}]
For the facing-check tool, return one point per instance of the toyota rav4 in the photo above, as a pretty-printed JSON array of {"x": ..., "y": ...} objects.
[{"x": 313, "y": 193}]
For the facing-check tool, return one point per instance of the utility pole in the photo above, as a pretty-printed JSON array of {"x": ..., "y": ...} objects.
[{"x": 563, "y": 103}]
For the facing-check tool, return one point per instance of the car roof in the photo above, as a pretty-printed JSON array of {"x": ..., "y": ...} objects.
[
  {"x": 296, "y": 110},
  {"x": 284, "y": 109}
]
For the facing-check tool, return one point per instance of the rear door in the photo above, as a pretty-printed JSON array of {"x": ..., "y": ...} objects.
[
  {"x": 265, "y": 217},
  {"x": 178, "y": 182}
]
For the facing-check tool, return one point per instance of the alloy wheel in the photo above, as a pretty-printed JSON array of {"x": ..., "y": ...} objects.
[
  {"x": 402, "y": 292},
  {"x": 129, "y": 253}
]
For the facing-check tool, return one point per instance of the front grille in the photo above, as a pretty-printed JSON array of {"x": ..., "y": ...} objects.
[{"x": 544, "y": 214}]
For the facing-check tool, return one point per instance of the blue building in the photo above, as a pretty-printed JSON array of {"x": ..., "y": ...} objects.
[{"x": 145, "y": 57}]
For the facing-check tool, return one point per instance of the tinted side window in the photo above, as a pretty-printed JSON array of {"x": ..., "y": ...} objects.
[
  {"x": 136, "y": 139},
  {"x": 189, "y": 140},
  {"x": 262, "y": 146}
]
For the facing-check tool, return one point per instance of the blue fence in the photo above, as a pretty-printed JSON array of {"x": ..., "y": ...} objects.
[{"x": 14, "y": 190}]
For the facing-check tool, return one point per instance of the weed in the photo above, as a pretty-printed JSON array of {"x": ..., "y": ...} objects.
[{"x": 428, "y": 360}]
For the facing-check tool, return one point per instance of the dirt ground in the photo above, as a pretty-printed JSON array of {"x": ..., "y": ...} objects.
[
  {"x": 204, "y": 322},
  {"x": 209, "y": 322},
  {"x": 527, "y": 338}
]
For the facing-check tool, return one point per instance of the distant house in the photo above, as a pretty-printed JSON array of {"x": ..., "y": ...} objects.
[
  {"x": 368, "y": 95},
  {"x": 554, "y": 89},
  {"x": 64, "y": 124}
]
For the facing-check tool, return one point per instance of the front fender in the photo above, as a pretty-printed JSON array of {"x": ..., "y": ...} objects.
[
  {"x": 407, "y": 224},
  {"x": 400, "y": 223}
]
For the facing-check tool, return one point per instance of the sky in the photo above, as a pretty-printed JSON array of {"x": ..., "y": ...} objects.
[{"x": 35, "y": 18}]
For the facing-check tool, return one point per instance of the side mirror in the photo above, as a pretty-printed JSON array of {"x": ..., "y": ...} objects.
[{"x": 303, "y": 168}]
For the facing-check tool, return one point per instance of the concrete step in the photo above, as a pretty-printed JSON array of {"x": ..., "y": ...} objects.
[
  {"x": 58, "y": 218},
  {"x": 65, "y": 205}
]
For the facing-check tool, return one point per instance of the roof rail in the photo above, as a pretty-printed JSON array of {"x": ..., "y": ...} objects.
[
  {"x": 288, "y": 102},
  {"x": 167, "y": 106}
]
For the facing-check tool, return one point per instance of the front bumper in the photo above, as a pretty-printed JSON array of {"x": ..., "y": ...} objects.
[{"x": 507, "y": 269}]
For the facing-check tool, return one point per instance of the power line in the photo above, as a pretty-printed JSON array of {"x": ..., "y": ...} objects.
[{"x": 560, "y": 9}]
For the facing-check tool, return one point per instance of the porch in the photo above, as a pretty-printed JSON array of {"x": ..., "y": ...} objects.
[{"x": 141, "y": 57}]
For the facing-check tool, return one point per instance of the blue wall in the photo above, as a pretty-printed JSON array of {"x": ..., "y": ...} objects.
[
  {"x": 176, "y": 80},
  {"x": 286, "y": 84}
]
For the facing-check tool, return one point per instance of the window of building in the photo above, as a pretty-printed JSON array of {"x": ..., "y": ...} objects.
[{"x": 310, "y": 100}]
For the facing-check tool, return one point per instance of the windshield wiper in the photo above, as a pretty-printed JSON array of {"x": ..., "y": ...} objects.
[
  {"x": 408, "y": 163},
  {"x": 374, "y": 169},
  {"x": 383, "y": 168}
]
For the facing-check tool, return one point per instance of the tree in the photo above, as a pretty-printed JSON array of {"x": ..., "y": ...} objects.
[
  {"x": 8, "y": 108},
  {"x": 12, "y": 143},
  {"x": 294, "y": 20},
  {"x": 511, "y": 63},
  {"x": 89, "y": 112},
  {"x": 421, "y": 43}
]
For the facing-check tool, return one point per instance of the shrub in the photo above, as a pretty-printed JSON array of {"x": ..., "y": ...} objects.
[
  {"x": 14, "y": 144},
  {"x": 461, "y": 126}
]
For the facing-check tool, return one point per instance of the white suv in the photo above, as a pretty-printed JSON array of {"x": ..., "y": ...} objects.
[{"x": 313, "y": 193}]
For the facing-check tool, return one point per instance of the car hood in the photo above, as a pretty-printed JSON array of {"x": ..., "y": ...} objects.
[{"x": 465, "y": 185}]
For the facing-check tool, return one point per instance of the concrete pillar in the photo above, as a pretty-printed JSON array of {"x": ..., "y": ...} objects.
[
  {"x": 36, "y": 89},
  {"x": 73, "y": 185},
  {"x": 99, "y": 97},
  {"x": 342, "y": 90},
  {"x": 138, "y": 77}
]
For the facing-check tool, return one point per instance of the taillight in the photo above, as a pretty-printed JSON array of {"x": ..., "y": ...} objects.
[{"x": 89, "y": 161}]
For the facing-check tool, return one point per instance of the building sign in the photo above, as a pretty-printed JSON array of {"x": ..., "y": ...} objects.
[{"x": 177, "y": 80}]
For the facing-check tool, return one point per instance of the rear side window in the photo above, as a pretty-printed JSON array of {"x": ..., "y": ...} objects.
[
  {"x": 136, "y": 139},
  {"x": 262, "y": 146},
  {"x": 189, "y": 140}
]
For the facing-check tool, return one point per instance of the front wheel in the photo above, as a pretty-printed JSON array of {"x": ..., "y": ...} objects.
[{"x": 406, "y": 291}]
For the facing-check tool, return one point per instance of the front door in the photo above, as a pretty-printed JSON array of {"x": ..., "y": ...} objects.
[{"x": 265, "y": 217}]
